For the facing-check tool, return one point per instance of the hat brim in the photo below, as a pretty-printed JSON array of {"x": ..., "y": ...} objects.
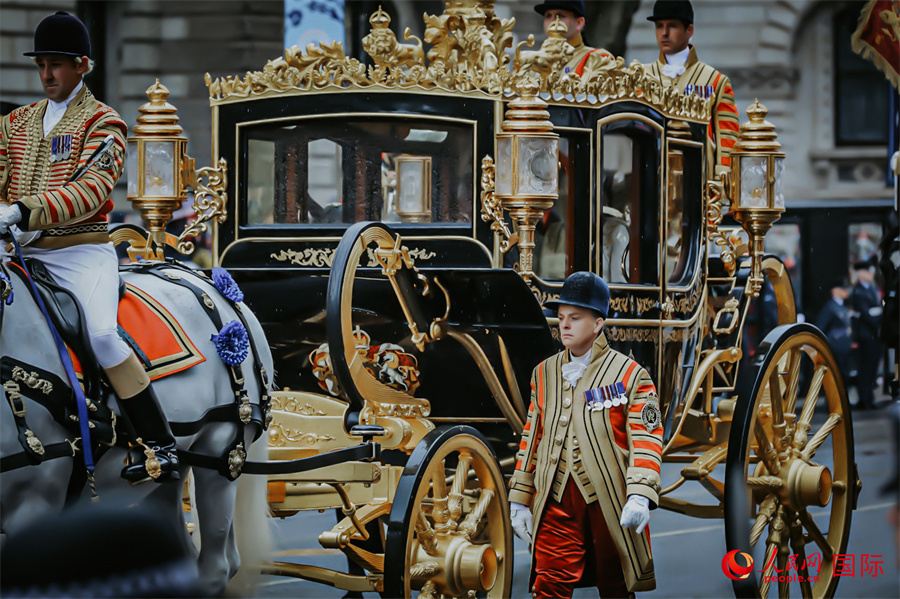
[
  {"x": 39, "y": 52},
  {"x": 555, "y": 304},
  {"x": 669, "y": 18}
]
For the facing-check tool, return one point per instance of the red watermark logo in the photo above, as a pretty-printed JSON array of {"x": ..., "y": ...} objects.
[{"x": 733, "y": 569}]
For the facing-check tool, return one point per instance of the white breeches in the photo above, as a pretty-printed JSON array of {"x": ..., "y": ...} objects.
[{"x": 91, "y": 273}]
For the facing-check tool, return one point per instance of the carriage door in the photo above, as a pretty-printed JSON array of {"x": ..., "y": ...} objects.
[
  {"x": 682, "y": 253},
  {"x": 626, "y": 231}
]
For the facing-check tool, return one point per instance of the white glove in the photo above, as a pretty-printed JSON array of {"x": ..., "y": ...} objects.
[
  {"x": 9, "y": 215},
  {"x": 636, "y": 513},
  {"x": 522, "y": 520}
]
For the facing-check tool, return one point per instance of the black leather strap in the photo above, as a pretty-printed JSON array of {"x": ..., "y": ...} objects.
[
  {"x": 362, "y": 452},
  {"x": 19, "y": 460}
]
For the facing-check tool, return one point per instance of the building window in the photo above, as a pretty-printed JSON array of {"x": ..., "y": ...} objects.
[{"x": 861, "y": 113}]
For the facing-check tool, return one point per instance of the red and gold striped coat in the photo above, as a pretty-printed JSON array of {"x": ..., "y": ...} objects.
[
  {"x": 66, "y": 213},
  {"x": 697, "y": 78},
  {"x": 617, "y": 453}
]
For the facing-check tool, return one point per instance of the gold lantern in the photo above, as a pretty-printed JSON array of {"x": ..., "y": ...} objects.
[
  {"x": 527, "y": 168},
  {"x": 160, "y": 172},
  {"x": 757, "y": 199}
]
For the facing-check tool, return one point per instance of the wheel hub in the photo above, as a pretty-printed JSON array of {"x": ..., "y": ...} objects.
[
  {"x": 808, "y": 484},
  {"x": 458, "y": 566}
]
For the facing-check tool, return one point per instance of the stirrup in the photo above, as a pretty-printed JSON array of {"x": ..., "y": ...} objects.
[{"x": 160, "y": 464}]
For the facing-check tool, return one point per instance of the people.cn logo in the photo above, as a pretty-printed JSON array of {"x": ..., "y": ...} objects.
[{"x": 733, "y": 569}]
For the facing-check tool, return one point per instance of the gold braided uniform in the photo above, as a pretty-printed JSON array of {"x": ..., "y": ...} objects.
[
  {"x": 609, "y": 454},
  {"x": 702, "y": 79},
  {"x": 66, "y": 213}
]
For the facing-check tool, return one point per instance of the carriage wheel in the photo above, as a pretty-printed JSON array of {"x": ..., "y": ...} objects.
[
  {"x": 791, "y": 480},
  {"x": 449, "y": 532}
]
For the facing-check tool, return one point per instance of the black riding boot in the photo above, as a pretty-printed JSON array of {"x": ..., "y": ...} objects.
[{"x": 159, "y": 459}]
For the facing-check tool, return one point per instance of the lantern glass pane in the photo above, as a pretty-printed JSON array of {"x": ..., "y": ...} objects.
[
  {"x": 504, "y": 174},
  {"x": 132, "y": 172},
  {"x": 753, "y": 181},
  {"x": 159, "y": 169},
  {"x": 538, "y": 169},
  {"x": 779, "y": 183}
]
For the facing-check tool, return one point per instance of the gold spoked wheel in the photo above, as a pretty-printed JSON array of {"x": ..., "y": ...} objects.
[
  {"x": 449, "y": 533},
  {"x": 791, "y": 479}
]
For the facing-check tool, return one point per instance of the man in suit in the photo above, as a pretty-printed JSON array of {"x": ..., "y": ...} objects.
[
  {"x": 834, "y": 321},
  {"x": 571, "y": 12},
  {"x": 587, "y": 473},
  {"x": 866, "y": 303},
  {"x": 678, "y": 65}
]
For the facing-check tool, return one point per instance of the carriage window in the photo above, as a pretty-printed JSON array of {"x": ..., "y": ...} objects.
[
  {"x": 683, "y": 213},
  {"x": 629, "y": 199},
  {"x": 552, "y": 253},
  {"x": 346, "y": 170}
]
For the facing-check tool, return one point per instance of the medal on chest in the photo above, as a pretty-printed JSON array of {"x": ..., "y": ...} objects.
[
  {"x": 60, "y": 148},
  {"x": 704, "y": 91},
  {"x": 608, "y": 396}
]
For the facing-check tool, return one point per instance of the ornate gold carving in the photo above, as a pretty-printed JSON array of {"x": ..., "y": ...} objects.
[
  {"x": 245, "y": 410},
  {"x": 644, "y": 303},
  {"x": 151, "y": 462},
  {"x": 688, "y": 303},
  {"x": 467, "y": 54},
  {"x": 280, "y": 435},
  {"x": 32, "y": 380},
  {"x": 33, "y": 442},
  {"x": 716, "y": 196},
  {"x": 553, "y": 53},
  {"x": 387, "y": 362},
  {"x": 290, "y": 404},
  {"x": 210, "y": 196},
  {"x": 543, "y": 296},
  {"x": 323, "y": 257},
  {"x": 631, "y": 334},
  {"x": 236, "y": 459},
  {"x": 382, "y": 45},
  {"x": 619, "y": 304},
  {"x": 491, "y": 209}
]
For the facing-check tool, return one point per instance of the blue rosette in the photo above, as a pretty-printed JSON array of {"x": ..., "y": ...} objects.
[
  {"x": 225, "y": 284},
  {"x": 232, "y": 343}
]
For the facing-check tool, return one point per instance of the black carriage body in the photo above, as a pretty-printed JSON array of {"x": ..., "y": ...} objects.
[{"x": 282, "y": 230}]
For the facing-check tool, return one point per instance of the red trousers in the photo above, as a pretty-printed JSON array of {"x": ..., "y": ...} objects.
[{"x": 570, "y": 532}]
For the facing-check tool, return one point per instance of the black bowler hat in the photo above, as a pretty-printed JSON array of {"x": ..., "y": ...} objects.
[
  {"x": 575, "y": 7},
  {"x": 839, "y": 282},
  {"x": 585, "y": 290},
  {"x": 673, "y": 9},
  {"x": 61, "y": 33},
  {"x": 863, "y": 264}
]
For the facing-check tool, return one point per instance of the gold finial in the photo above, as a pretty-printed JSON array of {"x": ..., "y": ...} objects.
[
  {"x": 757, "y": 134},
  {"x": 528, "y": 112},
  {"x": 157, "y": 117},
  {"x": 380, "y": 19},
  {"x": 557, "y": 29}
]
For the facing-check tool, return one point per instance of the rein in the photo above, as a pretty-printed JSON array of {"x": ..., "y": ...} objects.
[{"x": 66, "y": 360}]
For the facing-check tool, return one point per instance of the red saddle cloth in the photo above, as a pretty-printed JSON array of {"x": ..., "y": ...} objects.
[{"x": 157, "y": 333}]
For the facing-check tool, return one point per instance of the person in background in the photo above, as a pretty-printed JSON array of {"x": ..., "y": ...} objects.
[
  {"x": 865, "y": 300},
  {"x": 834, "y": 321},
  {"x": 63, "y": 223},
  {"x": 678, "y": 65},
  {"x": 571, "y": 12},
  {"x": 587, "y": 471}
]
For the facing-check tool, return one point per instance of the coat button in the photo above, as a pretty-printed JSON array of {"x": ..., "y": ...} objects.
[
  {"x": 567, "y": 385},
  {"x": 575, "y": 441},
  {"x": 567, "y": 402},
  {"x": 564, "y": 420},
  {"x": 554, "y": 458},
  {"x": 559, "y": 439}
]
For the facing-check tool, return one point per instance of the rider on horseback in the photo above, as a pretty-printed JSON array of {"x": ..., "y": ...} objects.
[{"x": 63, "y": 223}]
